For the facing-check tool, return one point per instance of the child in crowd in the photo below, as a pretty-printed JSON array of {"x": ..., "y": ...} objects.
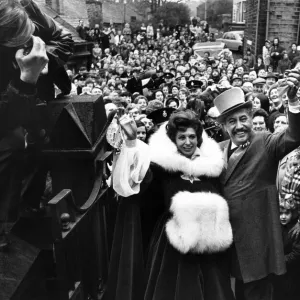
[{"x": 286, "y": 287}]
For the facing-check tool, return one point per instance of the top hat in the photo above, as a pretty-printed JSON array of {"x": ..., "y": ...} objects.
[{"x": 231, "y": 101}]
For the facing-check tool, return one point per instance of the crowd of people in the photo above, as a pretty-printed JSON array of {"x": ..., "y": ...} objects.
[
  {"x": 135, "y": 72},
  {"x": 206, "y": 167},
  {"x": 155, "y": 79}
]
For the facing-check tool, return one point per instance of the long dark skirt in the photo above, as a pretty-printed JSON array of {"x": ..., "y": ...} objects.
[
  {"x": 171, "y": 275},
  {"x": 126, "y": 268}
]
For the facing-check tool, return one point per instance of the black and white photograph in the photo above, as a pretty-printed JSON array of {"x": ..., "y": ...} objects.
[{"x": 149, "y": 150}]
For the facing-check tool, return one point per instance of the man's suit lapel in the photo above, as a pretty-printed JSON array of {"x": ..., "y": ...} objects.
[{"x": 232, "y": 163}]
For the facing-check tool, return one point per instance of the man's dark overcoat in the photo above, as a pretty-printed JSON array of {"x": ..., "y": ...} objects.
[{"x": 249, "y": 186}]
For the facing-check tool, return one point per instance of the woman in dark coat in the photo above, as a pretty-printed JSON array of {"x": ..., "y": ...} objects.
[
  {"x": 187, "y": 251},
  {"x": 276, "y": 53}
]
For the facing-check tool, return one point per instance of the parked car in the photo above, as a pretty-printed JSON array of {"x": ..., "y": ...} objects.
[
  {"x": 214, "y": 48},
  {"x": 233, "y": 40}
]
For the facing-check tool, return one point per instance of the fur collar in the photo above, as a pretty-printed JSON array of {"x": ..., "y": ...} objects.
[{"x": 164, "y": 153}]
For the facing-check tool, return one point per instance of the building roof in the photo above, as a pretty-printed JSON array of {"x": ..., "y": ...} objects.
[{"x": 61, "y": 22}]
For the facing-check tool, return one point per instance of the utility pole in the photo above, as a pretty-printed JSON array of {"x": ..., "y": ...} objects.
[{"x": 205, "y": 10}]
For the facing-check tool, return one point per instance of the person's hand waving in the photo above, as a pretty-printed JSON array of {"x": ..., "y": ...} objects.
[
  {"x": 129, "y": 127},
  {"x": 293, "y": 82}
]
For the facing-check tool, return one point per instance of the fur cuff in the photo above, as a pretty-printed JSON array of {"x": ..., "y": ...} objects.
[{"x": 200, "y": 223}]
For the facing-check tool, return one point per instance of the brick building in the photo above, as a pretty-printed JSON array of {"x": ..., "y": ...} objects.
[
  {"x": 120, "y": 12},
  {"x": 217, "y": 12},
  {"x": 267, "y": 19}
]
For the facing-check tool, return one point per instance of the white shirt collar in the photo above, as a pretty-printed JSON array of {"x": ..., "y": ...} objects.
[{"x": 233, "y": 145}]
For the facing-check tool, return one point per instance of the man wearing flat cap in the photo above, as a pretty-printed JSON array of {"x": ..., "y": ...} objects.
[
  {"x": 249, "y": 185},
  {"x": 259, "y": 85}
]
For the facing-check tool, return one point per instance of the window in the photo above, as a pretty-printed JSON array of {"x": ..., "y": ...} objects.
[{"x": 133, "y": 18}]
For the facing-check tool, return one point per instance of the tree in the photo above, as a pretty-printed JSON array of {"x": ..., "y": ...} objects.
[{"x": 172, "y": 13}]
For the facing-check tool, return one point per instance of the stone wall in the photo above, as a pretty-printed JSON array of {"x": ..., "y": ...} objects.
[
  {"x": 283, "y": 22},
  {"x": 256, "y": 13},
  {"x": 94, "y": 11},
  {"x": 75, "y": 10}
]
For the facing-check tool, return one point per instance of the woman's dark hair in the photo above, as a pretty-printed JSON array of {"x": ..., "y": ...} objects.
[
  {"x": 262, "y": 113},
  {"x": 276, "y": 38},
  {"x": 125, "y": 94},
  {"x": 159, "y": 91},
  {"x": 264, "y": 101},
  {"x": 181, "y": 121},
  {"x": 272, "y": 119},
  {"x": 197, "y": 106}
]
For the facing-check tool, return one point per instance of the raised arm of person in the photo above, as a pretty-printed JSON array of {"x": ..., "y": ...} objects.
[
  {"x": 17, "y": 102},
  {"x": 279, "y": 145},
  {"x": 59, "y": 42},
  {"x": 132, "y": 163}
]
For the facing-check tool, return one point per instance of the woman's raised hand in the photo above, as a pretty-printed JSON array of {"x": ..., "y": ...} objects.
[{"x": 128, "y": 126}]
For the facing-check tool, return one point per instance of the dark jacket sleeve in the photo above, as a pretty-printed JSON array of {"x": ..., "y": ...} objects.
[
  {"x": 16, "y": 105},
  {"x": 292, "y": 259},
  {"x": 59, "y": 43},
  {"x": 280, "y": 144}
]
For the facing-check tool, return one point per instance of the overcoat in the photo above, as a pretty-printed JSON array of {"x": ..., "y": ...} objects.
[
  {"x": 249, "y": 186},
  {"x": 186, "y": 255}
]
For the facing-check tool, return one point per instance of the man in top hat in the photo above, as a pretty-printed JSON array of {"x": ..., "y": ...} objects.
[{"x": 248, "y": 184}]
